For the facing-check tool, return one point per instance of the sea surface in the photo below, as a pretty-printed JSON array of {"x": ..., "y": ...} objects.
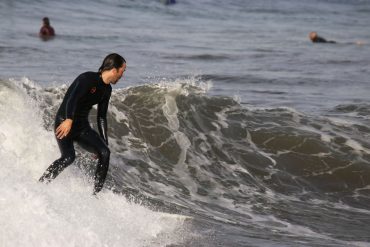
[{"x": 229, "y": 127}]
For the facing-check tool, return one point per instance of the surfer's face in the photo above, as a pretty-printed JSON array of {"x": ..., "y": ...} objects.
[{"x": 118, "y": 73}]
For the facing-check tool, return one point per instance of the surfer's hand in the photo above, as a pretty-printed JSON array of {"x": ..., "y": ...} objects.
[{"x": 63, "y": 129}]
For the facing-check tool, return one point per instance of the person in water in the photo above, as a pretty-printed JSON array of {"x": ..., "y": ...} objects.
[
  {"x": 71, "y": 121},
  {"x": 46, "y": 31},
  {"x": 315, "y": 38},
  {"x": 168, "y": 2}
]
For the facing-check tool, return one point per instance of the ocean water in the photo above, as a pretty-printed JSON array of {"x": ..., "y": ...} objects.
[{"x": 227, "y": 114}]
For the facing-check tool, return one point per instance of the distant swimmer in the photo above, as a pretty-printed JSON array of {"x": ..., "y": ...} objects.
[
  {"x": 315, "y": 38},
  {"x": 46, "y": 31},
  {"x": 168, "y": 2},
  {"x": 71, "y": 121}
]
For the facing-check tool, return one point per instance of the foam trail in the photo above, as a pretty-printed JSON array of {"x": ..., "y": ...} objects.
[{"x": 170, "y": 111}]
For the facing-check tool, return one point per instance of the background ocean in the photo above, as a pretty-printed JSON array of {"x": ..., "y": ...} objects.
[{"x": 227, "y": 113}]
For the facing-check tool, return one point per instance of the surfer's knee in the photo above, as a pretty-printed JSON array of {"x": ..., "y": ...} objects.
[
  {"x": 67, "y": 160},
  {"x": 104, "y": 153}
]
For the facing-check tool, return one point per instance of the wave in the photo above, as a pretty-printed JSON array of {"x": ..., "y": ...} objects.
[
  {"x": 176, "y": 128},
  {"x": 35, "y": 214},
  {"x": 360, "y": 109},
  {"x": 179, "y": 149}
]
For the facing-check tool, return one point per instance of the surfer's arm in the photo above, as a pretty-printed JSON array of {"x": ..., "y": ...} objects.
[
  {"x": 102, "y": 118},
  {"x": 80, "y": 88}
]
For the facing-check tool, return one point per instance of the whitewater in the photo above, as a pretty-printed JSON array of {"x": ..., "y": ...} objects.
[{"x": 63, "y": 213}]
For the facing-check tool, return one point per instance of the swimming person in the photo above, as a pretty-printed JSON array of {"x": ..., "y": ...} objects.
[
  {"x": 168, "y": 2},
  {"x": 46, "y": 31},
  {"x": 71, "y": 121},
  {"x": 315, "y": 38}
]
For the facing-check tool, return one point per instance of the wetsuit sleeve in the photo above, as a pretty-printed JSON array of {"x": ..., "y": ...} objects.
[
  {"x": 320, "y": 40},
  {"x": 102, "y": 117},
  {"x": 80, "y": 87}
]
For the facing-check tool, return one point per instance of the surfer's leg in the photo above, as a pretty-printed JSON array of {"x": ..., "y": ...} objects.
[
  {"x": 92, "y": 142},
  {"x": 68, "y": 156}
]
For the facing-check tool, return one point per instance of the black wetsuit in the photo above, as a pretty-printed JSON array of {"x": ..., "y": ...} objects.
[
  {"x": 87, "y": 90},
  {"x": 319, "y": 39}
]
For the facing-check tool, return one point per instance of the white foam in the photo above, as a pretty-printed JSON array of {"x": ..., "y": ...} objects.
[
  {"x": 341, "y": 122},
  {"x": 119, "y": 116},
  {"x": 181, "y": 86},
  {"x": 62, "y": 213},
  {"x": 170, "y": 111},
  {"x": 237, "y": 99},
  {"x": 357, "y": 146},
  {"x": 325, "y": 137},
  {"x": 222, "y": 119}
]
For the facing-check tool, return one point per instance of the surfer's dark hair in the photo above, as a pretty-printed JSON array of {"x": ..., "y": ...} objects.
[{"x": 111, "y": 61}]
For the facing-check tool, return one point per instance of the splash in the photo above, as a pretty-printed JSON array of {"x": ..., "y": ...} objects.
[{"x": 62, "y": 213}]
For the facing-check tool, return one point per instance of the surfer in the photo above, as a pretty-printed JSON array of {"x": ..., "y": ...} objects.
[
  {"x": 46, "y": 31},
  {"x": 315, "y": 38},
  {"x": 71, "y": 122}
]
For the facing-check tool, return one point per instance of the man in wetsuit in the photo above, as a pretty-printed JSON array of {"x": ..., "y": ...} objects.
[
  {"x": 71, "y": 122},
  {"x": 315, "y": 38},
  {"x": 46, "y": 30}
]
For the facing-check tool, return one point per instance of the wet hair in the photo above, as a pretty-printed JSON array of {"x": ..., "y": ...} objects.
[
  {"x": 111, "y": 61},
  {"x": 46, "y": 21}
]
